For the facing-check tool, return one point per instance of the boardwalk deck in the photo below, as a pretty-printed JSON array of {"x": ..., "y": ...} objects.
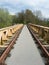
[{"x": 25, "y": 51}]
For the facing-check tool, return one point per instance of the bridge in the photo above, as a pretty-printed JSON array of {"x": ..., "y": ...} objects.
[{"x": 24, "y": 45}]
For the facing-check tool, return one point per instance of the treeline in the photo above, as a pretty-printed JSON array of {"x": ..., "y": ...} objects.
[
  {"x": 24, "y": 17},
  {"x": 28, "y": 16}
]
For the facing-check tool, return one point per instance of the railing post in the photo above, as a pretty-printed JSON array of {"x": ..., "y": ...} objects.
[
  {"x": 41, "y": 32},
  {"x": 47, "y": 36},
  {"x": 1, "y": 41}
]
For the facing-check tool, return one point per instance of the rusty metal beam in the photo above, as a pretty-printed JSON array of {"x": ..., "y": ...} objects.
[
  {"x": 6, "y": 52},
  {"x": 44, "y": 50}
]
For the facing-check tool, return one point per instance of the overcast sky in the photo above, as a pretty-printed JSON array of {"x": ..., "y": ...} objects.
[{"x": 18, "y": 5}]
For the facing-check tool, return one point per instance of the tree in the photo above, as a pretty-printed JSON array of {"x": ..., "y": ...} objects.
[
  {"x": 29, "y": 17},
  {"x": 20, "y": 17},
  {"x": 5, "y": 18},
  {"x": 14, "y": 19}
]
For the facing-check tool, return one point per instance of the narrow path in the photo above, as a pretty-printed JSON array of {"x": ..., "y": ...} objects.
[{"x": 25, "y": 51}]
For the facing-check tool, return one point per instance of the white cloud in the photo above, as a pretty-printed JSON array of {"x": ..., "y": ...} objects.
[{"x": 17, "y": 5}]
